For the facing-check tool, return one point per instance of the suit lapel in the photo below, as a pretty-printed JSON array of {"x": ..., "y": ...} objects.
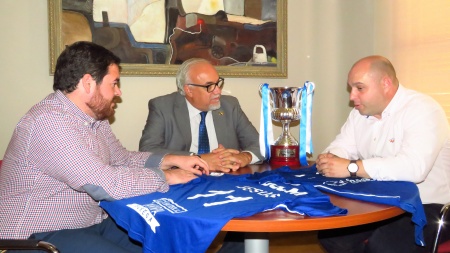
[
  {"x": 219, "y": 121},
  {"x": 181, "y": 114}
]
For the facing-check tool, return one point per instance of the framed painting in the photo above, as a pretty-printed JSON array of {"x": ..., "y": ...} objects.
[{"x": 242, "y": 38}]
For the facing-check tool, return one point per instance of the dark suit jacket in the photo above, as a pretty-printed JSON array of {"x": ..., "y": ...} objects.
[{"x": 168, "y": 129}]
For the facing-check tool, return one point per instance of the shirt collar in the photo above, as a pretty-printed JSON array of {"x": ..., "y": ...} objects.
[
  {"x": 192, "y": 110},
  {"x": 395, "y": 103},
  {"x": 393, "y": 106}
]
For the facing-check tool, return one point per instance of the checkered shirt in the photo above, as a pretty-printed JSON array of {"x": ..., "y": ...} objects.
[{"x": 55, "y": 150}]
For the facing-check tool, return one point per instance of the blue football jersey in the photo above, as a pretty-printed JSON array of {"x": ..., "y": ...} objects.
[
  {"x": 395, "y": 193},
  {"x": 188, "y": 217}
]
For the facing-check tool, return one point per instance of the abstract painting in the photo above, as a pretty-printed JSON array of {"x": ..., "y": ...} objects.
[{"x": 242, "y": 38}]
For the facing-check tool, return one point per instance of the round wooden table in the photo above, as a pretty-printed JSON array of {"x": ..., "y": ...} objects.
[
  {"x": 359, "y": 213},
  {"x": 258, "y": 225}
]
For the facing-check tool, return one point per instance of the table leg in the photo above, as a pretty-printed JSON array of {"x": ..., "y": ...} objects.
[{"x": 257, "y": 242}]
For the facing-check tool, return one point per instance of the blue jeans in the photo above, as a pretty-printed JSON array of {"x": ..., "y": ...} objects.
[{"x": 103, "y": 237}]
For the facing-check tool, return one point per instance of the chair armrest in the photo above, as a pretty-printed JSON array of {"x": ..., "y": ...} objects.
[{"x": 14, "y": 244}]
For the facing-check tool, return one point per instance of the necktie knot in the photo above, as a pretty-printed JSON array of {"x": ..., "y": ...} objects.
[
  {"x": 203, "y": 140},
  {"x": 203, "y": 115}
]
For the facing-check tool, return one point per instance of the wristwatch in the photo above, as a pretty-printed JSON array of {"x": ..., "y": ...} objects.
[{"x": 352, "y": 168}]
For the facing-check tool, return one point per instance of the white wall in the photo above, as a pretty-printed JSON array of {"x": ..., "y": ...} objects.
[{"x": 324, "y": 38}]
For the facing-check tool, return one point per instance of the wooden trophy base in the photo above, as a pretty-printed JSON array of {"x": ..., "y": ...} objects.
[{"x": 284, "y": 156}]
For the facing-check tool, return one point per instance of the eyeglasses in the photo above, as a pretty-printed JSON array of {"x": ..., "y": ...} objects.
[{"x": 210, "y": 86}]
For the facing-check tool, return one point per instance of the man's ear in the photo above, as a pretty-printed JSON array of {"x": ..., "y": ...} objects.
[
  {"x": 387, "y": 82},
  {"x": 88, "y": 83},
  {"x": 187, "y": 91}
]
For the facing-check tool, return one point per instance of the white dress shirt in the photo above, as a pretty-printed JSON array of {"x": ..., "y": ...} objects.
[
  {"x": 195, "y": 118},
  {"x": 411, "y": 142}
]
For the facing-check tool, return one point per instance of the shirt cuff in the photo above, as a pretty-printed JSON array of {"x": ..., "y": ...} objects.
[
  {"x": 97, "y": 192},
  {"x": 255, "y": 159},
  {"x": 154, "y": 160},
  {"x": 159, "y": 172}
]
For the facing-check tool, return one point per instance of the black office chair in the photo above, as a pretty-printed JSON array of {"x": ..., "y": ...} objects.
[
  {"x": 444, "y": 219},
  {"x": 26, "y": 244}
]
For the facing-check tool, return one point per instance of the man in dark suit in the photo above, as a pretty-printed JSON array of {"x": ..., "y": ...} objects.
[{"x": 173, "y": 121}]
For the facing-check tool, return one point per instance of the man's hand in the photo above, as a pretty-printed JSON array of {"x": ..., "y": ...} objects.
[
  {"x": 227, "y": 160},
  {"x": 193, "y": 164},
  {"x": 178, "y": 176},
  {"x": 330, "y": 165}
]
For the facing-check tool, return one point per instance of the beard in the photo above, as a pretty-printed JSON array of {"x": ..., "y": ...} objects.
[
  {"x": 101, "y": 107},
  {"x": 214, "y": 107}
]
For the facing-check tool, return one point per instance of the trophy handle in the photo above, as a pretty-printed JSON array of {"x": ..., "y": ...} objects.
[
  {"x": 260, "y": 88},
  {"x": 270, "y": 94}
]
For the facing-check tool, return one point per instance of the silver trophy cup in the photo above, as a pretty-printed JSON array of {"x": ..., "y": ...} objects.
[{"x": 286, "y": 107}]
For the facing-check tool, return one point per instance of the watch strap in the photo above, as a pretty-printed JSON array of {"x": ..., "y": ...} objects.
[{"x": 353, "y": 174}]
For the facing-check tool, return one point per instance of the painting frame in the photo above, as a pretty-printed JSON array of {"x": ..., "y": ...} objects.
[{"x": 130, "y": 69}]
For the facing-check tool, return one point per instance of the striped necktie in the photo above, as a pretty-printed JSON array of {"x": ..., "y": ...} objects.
[{"x": 203, "y": 141}]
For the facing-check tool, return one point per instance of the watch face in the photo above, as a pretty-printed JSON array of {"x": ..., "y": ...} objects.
[{"x": 352, "y": 167}]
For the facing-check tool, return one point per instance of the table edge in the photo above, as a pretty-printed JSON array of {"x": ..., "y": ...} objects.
[{"x": 308, "y": 223}]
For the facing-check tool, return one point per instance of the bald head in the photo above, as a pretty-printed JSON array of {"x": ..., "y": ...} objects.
[
  {"x": 184, "y": 72},
  {"x": 377, "y": 66},
  {"x": 373, "y": 84}
]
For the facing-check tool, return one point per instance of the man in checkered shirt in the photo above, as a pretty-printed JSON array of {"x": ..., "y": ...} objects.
[{"x": 63, "y": 158}]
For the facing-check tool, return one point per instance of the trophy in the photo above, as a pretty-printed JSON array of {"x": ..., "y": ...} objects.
[{"x": 285, "y": 105}]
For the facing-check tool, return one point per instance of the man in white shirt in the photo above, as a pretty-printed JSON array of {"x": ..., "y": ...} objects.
[
  {"x": 173, "y": 121},
  {"x": 392, "y": 134}
]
